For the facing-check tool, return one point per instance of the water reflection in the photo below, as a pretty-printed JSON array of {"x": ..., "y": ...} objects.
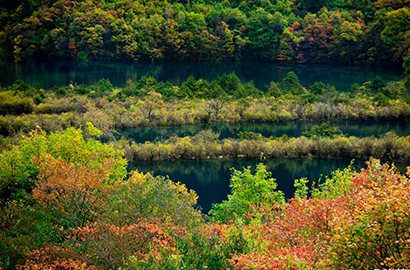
[
  {"x": 50, "y": 73},
  {"x": 210, "y": 178},
  {"x": 293, "y": 129}
]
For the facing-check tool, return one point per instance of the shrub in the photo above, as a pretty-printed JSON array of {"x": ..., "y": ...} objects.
[
  {"x": 324, "y": 130},
  {"x": 19, "y": 174},
  {"x": 372, "y": 231},
  {"x": 248, "y": 191},
  {"x": 145, "y": 197}
]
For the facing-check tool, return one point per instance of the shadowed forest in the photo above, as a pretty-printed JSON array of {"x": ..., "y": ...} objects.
[{"x": 328, "y": 31}]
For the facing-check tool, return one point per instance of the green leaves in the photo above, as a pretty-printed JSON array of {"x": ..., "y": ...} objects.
[
  {"x": 324, "y": 130},
  {"x": 291, "y": 84},
  {"x": 397, "y": 24},
  {"x": 249, "y": 191},
  {"x": 145, "y": 197},
  {"x": 19, "y": 174}
]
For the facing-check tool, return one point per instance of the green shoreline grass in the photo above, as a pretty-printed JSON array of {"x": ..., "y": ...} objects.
[{"x": 206, "y": 145}]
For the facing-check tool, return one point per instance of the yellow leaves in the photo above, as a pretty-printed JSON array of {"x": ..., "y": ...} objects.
[
  {"x": 69, "y": 188},
  {"x": 17, "y": 39},
  {"x": 93, "y": 131},
  {"x": 17, "y": 48},
  {"x": 138, "y": 177}
]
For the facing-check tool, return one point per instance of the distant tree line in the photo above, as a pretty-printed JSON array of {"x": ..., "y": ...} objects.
[{"x": 338, "y": 31}]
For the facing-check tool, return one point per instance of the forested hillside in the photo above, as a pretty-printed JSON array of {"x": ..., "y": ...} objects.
[{"x": 337, "y": 31}]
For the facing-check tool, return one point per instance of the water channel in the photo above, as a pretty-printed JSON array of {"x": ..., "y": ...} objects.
[
  {"x": 50, "y": 73},
  {"x": 210, "y": 178},
  {"x": 292, "y": 129}
]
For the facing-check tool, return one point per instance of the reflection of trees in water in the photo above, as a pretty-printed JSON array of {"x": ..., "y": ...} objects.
[
  {"x": 50, "y": 73},
  {"x": 358, "y": 129},
  {"x": 363, "y": 129},
  {"x": 312, "y": 168},
  {"x": 210, "y": 178},
  {"x": 208, "y": 172}
]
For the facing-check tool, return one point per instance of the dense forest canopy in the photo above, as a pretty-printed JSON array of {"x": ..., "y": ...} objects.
[{"x": 331, "y": 31}]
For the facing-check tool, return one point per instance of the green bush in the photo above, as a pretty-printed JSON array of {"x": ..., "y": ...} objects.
[
  {"x": 249, "y": 191},
  {"x": 19, "y": 175},
  {"x": 324, "y": 130}
]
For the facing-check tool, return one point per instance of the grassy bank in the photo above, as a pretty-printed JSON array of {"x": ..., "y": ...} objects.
[{"x": 206, "y": 145}]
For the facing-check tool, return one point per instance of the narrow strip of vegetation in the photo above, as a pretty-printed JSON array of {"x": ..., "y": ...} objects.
[
  {"x": 206, "y": 145},
  {"x": 150, "y": 103}
]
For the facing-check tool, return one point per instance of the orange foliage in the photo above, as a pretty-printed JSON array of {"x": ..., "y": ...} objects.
[
  {"x": 110, "y": 246},
  {"x": 373, "y": 230},
  {"x": 291, "y": 238},
  {"x": 367, "y": 228},
  {"x": 52, "y": 258},
  {"x": 74, "y": 190}
]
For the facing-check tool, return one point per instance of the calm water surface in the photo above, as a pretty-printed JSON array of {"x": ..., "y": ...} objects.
[
  {"x": 293, "y": 129},
  {"x": 210, "y": 178},
  {"x": 50, "y": 73}
]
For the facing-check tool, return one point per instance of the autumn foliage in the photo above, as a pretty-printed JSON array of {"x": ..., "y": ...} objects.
[
  {"x": 77, "y": 215},
  {"x": 373, "y": 229},
  {"x": 55, "y": 257},
  {"x": 327, "y": 31},
  {"x": 110, "y": 247},
  {"x": 367, "y": 227},
  {"x": 74, "y": 190}
]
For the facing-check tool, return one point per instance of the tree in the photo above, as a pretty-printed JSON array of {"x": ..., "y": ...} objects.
[
  {"x": 152, "y": 102},
  {"x": 324, "y": 130},
  {"x": 74, "y": 191},
  {"x": 107, "y": 246},
  {"x": 396, "y": 25},
  {"x": 189, "y": 87},
  {"x": 249, "y": 191},
  {"x": 373, "y": 228},
  {"x": 149, "y": 198},
  {"x": 317, "y": 88},
  {"x": 291, "y": 84},
  {"x": 395, "y": 4},
  {"x": 274, "y": 90},
  {"x": 18, "y": 175},
  {"x": 213, "y": 107},
  {"x": 349, "y": 39},
  {"x": 55, "y": 257}
]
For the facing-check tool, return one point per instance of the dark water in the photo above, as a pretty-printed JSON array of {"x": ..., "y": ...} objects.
[
  {"x": 50, "y": 73},
  {"x": 210, "y": 178},
  {"x": 293, "y": 129}
]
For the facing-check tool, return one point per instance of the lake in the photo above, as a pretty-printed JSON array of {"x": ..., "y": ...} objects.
[
  {"x": 50, "y": 73},
  {"x": 293, "y": 129},
  {"x": 210, "y": 178}
]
